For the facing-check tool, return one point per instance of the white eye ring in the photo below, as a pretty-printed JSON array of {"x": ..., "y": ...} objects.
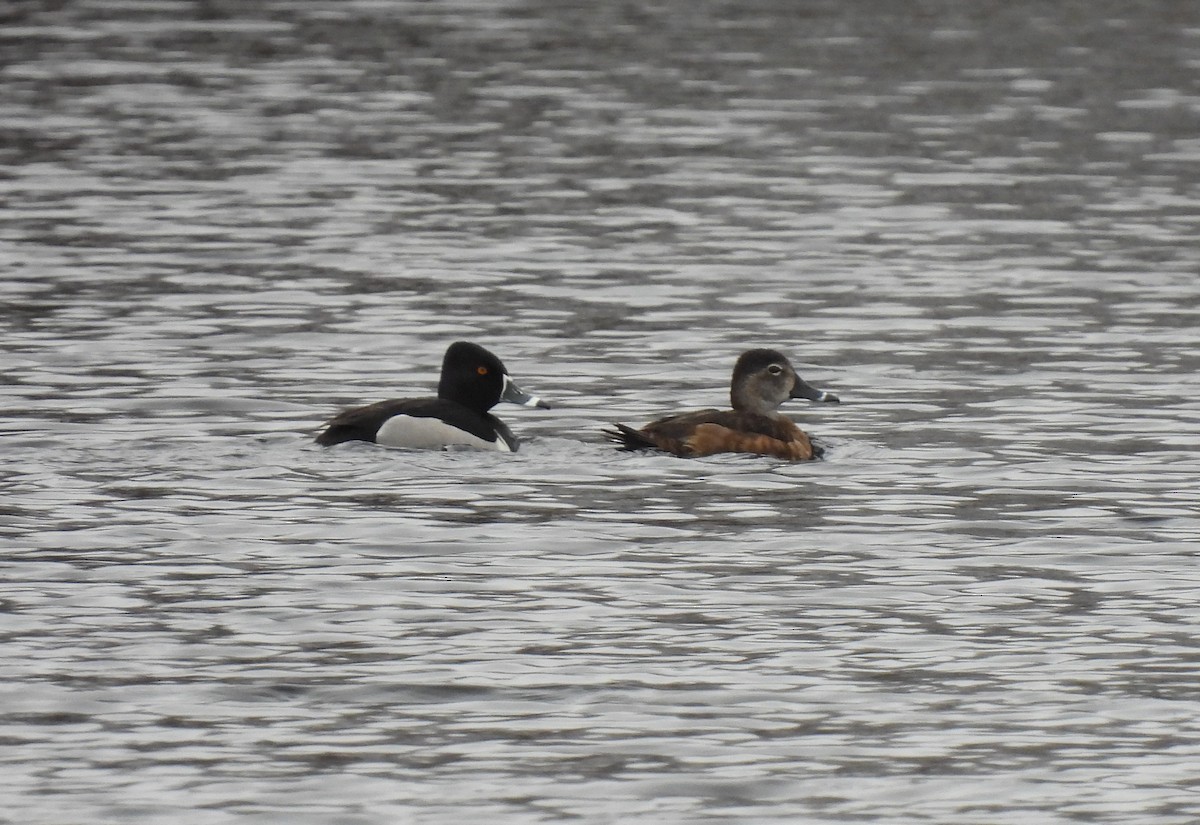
[{"x": 774, "y": 369}]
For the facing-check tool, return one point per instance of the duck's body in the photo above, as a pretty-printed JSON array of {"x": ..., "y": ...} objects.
[
  {"x": 473, "y": 381},
  {"x": 708, "y": 432},
  {"x": 420, "y": 424},
  {"x": 762, "y": 380}
]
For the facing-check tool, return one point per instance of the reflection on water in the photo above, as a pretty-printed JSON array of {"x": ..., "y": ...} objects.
[{"x": 974, "y": 223}]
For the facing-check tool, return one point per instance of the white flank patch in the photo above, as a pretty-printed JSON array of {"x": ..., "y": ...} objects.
[{"x": 430, "y": 434}]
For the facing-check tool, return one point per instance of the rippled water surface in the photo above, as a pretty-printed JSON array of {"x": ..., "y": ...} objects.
[{"x": 975, "y": 222}]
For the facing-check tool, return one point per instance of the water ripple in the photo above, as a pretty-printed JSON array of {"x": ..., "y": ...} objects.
[{"x": 975, "y": 225}]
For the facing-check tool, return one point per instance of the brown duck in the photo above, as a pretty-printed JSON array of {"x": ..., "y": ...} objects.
[{"x": 762, "y": 380}]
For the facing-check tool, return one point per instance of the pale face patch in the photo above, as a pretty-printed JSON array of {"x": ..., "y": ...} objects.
[{"x": 419, "y": 433}]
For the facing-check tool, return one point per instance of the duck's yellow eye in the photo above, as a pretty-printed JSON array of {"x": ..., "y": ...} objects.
[{"x": 481, "y": 370}]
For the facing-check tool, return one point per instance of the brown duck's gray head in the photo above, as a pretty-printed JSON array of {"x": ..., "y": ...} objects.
[{"x": 764, "y": 378}]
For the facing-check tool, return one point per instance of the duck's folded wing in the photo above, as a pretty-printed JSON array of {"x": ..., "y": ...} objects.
[
  {"x": 665, "y": 434},
  {"x": 745, "y": 423},
  {"x": 360, "y": 423},
  {"x": 729, "y": 431}
]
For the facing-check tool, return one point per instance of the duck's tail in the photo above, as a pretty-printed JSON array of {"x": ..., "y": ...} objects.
[{"x": 627, "y": 438}]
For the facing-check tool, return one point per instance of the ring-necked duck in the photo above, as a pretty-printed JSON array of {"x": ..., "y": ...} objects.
[
  {"x": 473, "y": 381},
  {"x": 762, "y": 380}
]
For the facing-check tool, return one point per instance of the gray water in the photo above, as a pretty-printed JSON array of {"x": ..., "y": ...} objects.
[{"x": 975, "y": 222}]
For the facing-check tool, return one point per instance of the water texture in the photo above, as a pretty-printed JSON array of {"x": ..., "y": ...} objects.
[{"x": 221, "y": 222}]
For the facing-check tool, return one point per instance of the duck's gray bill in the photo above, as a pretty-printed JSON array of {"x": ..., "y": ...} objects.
[
  {"x": 515, "y": 395},
  {"x": 803, "y": 390}
]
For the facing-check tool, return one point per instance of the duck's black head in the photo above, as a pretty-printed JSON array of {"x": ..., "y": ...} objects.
[{"x": 477, "y": 379}]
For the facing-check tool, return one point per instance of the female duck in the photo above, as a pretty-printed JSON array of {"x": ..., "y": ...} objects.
[
  {"x": 762, "y": 380},
  {"x": 473, "y": 381}
]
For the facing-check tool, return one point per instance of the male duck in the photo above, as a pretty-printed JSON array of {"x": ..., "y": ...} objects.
[
  {"x": 762, "y": 380},
  {"x": 473, "y": 381}
]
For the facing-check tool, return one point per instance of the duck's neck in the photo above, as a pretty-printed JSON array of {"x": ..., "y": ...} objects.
[{"x": 743, "y": 401}]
